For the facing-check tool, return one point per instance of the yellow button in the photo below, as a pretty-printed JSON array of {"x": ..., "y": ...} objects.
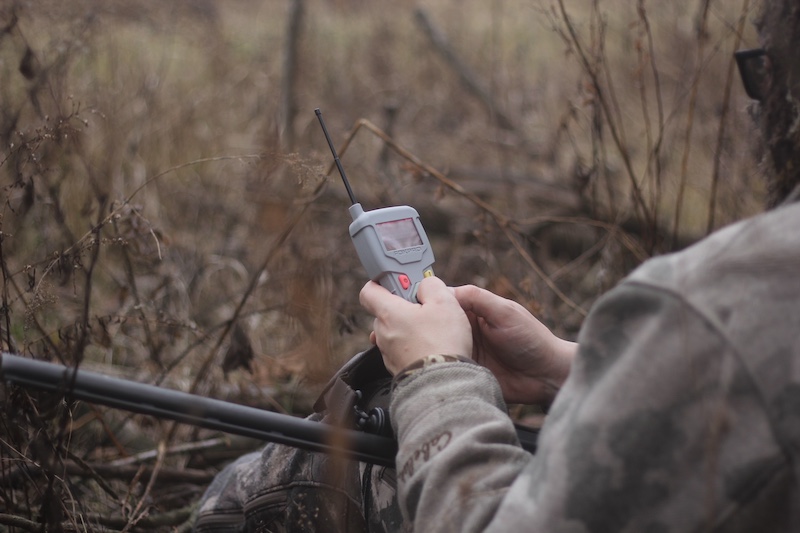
[{"x": 428, "y": 273}]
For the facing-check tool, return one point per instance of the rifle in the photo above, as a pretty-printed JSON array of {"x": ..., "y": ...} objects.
[{"x": 208, "y": 413}]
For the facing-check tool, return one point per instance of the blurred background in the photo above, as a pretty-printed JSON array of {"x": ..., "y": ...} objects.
[{"x": 169, "y": 214}]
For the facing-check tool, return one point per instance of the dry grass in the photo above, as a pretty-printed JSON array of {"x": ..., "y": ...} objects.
[{"x": 152, "y": 207}]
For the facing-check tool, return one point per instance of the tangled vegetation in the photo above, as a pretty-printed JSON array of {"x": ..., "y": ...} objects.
[{"x": 169, "y": 214}]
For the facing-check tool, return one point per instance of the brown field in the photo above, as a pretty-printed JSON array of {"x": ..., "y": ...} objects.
[{"x": 167, "y": 216}]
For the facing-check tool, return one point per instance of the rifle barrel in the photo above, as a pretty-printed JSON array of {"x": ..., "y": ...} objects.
[{"x": 197, "y": 410}]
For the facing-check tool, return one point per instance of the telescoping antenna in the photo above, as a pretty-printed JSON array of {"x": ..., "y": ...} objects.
[
  {"x": 390, "y": 241},
  {"x": 336, "y": 158}
]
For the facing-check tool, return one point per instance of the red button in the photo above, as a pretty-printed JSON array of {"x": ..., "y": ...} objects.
[{"x": 404, "y": 281}]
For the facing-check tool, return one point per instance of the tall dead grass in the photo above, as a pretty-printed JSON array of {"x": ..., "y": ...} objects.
[{"x": 154, "y": 224}]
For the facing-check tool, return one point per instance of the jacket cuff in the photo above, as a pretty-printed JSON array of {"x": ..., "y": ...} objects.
[
  {"x": 430, "y": 387},
  {"x": 427, "y": 361}
]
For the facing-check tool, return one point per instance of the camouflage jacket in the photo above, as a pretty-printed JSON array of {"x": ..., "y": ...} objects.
[{"x": 681, "y": 412}]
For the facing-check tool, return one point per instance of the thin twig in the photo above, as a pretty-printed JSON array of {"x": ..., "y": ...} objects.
[
  {"x": 191, "y": 476},
  {"x": 19, "y": 522},
  {"x": 653, "y": 146},
  {"x": 138, "y": 513},
  {"x": 468, "y": 79},
  {"x": 127, "y": 263},
  {"x": 687, "y": 137},
  {"x": 499, "y": 217},
  {"x": 101, "y": 482},
  {"x": 512, "y": 237},
  {"x": 6, "y": 309},
  {"x": 173, "y": 450},
  {"x": 581, "y": 259},
  {"x": 508, "y": 226}
]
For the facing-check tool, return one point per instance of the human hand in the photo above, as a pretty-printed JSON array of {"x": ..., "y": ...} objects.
[
  {"x": 406, "y": 332},
  {"x": 528, "y": 360}
]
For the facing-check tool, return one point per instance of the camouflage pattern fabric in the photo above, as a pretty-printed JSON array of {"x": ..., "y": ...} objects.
[
  {"x": 681, "y": 412},
  {"x": 282, "y": 489}
]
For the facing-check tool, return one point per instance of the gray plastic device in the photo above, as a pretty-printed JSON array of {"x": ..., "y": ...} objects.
[{"x": 390, "y": 241}]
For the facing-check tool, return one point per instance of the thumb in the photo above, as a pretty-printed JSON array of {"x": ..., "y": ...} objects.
[
  {"x": 433, "y": 289},
  {"x": 478, "y": 301}
]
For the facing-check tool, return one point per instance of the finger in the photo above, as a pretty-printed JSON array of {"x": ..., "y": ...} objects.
[
  {"x": 377, "y": 300},
  {"x": 473, "y": 321},
  {"x": 433, "y": 289},
  {"x": 479, "y": 301},
  {"x": 493, "y": 312}
]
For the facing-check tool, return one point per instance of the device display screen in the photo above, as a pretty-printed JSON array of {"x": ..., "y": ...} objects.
[{"x": 398, "y": 234}]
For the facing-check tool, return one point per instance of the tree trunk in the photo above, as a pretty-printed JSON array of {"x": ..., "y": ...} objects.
[{"x": 779, "y": 32}]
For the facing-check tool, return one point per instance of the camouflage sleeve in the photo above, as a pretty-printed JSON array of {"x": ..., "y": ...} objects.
[
  {"x": 459, "y": 451},
  {"x": 658, "y": 428}
]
